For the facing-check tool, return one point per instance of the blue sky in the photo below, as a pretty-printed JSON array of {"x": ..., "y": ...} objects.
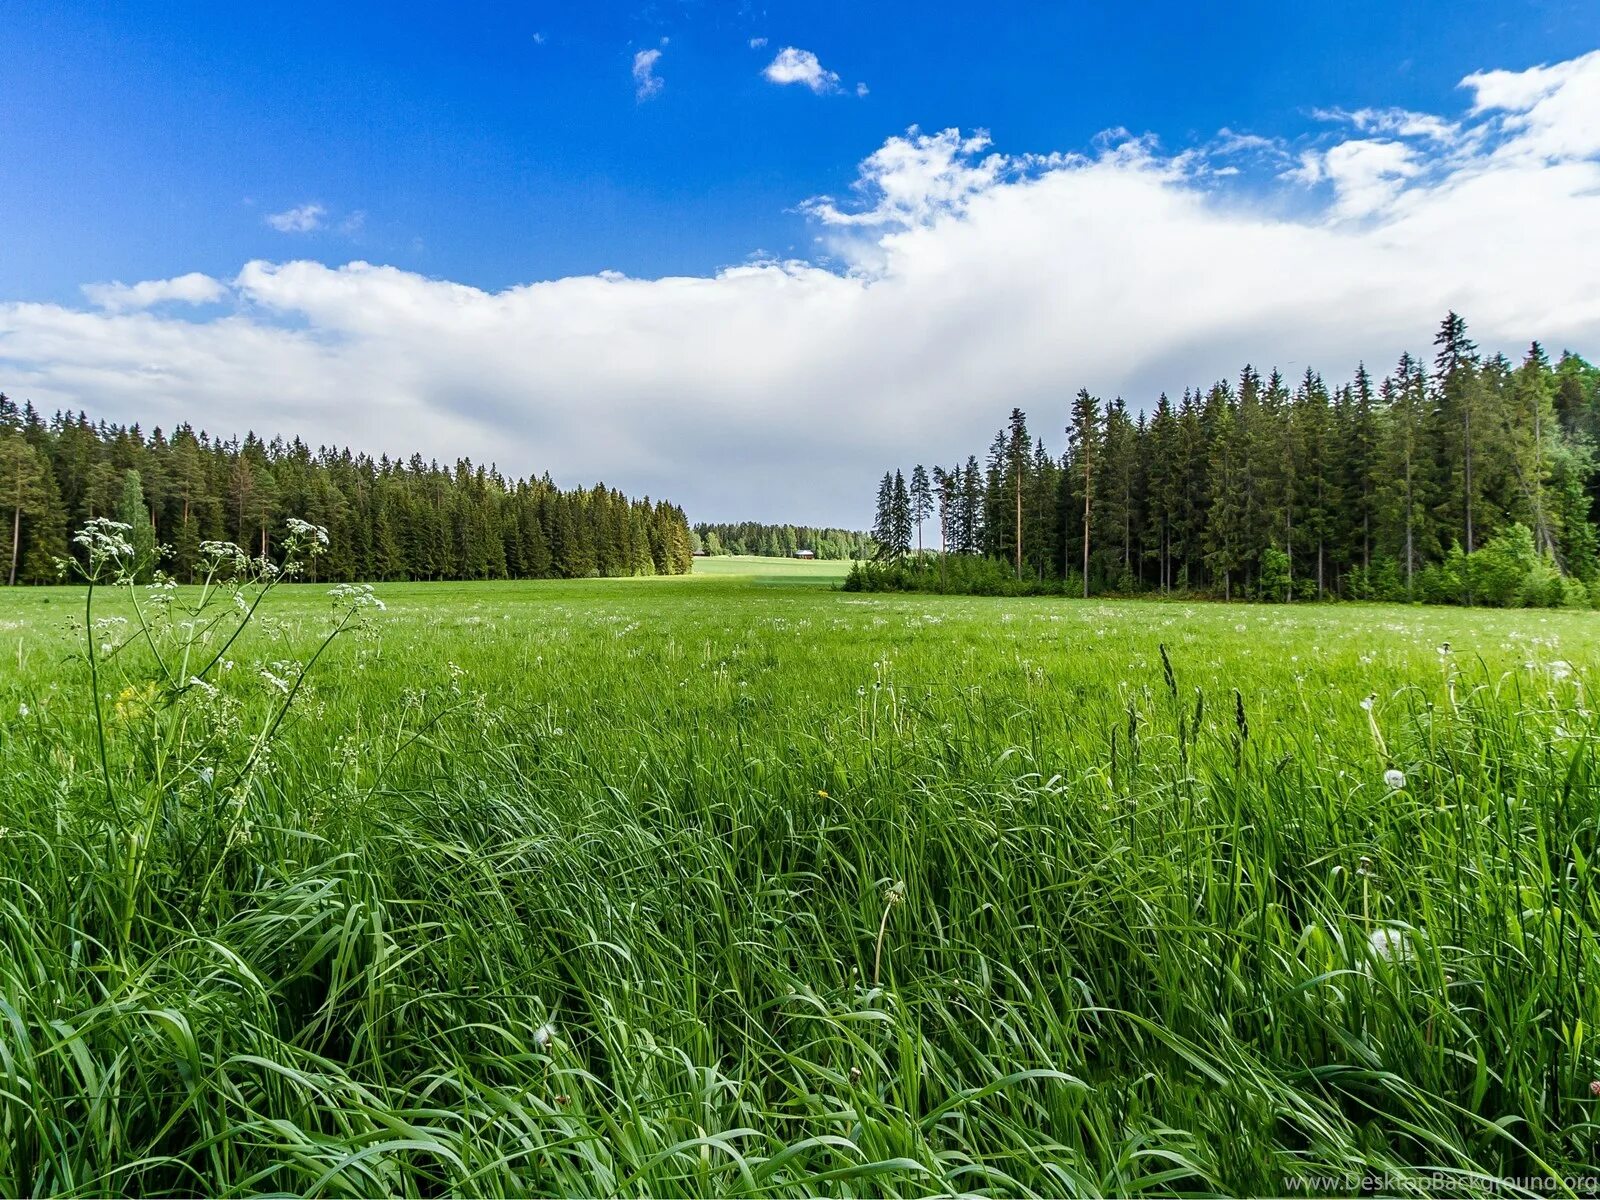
[
  {"x": 772, "y": 249},
  {"x": 497, "y": 144}
]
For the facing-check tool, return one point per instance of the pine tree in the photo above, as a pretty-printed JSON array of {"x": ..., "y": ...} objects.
[
  {"x": 883, "y": 523},
  {"x": 1459, "y": 398},
  {"x": 900, "y": 517},
  {"x": 1406, "y": 496},
  {"x": 921, "y": 501},
  {"x": 1164, "y": 493},
  {"x": 1082, "y": 434},
  {"x": 1226, "y": 530},
  {"x": 1530, "y": 435}
]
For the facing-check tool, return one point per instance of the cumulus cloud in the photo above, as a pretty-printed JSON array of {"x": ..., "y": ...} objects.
[
  {"x": 646, "y": 83},
  {"x": 1550, "y": 110},
  {"x": 960, "y": 281},
  {"x": 193, "y": 288},
  {"x": 301, "y": 219},
  {"x": 801, "y": 66}
]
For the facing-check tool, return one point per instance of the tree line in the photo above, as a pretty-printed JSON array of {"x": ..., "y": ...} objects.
[
  {"x": 1473, "y": 481},
  {"x": 781, "y": 541},
  {"x": 387, "y": 519}
]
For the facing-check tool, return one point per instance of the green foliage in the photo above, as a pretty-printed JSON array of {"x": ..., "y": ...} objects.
[
  {"x": 1274, "y": 583},
  {"x": 133, "y": 512}
]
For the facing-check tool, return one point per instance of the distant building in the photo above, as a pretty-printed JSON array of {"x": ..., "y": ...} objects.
[{"x": 805, "y": 553}]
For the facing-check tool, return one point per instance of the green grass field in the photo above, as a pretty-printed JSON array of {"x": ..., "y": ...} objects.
[{"x": 735, "y": 884}]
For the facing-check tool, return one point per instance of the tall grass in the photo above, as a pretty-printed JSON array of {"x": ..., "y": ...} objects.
[{"x": 679, "y": 887}]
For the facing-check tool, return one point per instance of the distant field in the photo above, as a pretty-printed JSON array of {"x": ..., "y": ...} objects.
[
  {"x": 772, "y": 570},
  {"x": 738, "y": 884}
]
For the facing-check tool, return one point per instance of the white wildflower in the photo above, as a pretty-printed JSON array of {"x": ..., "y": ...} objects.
[
  {"x": 104, "y": 538},
  {"x": 1390, "y": 945},
  {"x": 545, "y": 1034},
  {"x": 1395, "y": 779},
  {"x": 22, "y": 709},
  {"x": 305, "y": 529}
]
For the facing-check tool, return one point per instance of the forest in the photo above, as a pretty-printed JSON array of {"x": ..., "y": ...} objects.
[
  {"x": 1473, "y": 481},
  {"x": 780, "y": 541},
  {"x": 386, "y": 519}
]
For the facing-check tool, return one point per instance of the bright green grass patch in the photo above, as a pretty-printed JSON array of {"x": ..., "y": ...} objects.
[
  {"x": 709, "y": 886},
  {"x": 759, "y": 569}
]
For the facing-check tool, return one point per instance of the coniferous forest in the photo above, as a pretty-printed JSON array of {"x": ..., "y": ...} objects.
[
  {"x": 1468, "y": 480},
  {"x": 386, "y": 519},
  {"x": 780, "y": 541}
]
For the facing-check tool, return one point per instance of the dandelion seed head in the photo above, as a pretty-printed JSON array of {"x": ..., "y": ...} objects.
[
  {"x": 1395, "y": 779},
  {"x": 1391, "y": 945}
]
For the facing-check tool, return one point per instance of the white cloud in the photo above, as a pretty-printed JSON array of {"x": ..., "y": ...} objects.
[
  {"x": 1367, "y": 175},
  {"x": 193, "y": 288},
  {"x": 300, "y": 219},
  {"x": 911, "y": 179},
  {"x": 801, "y": 66},
  {"x": 757, "y": 42},
  {"x": 1550, "y": 111},
  {"x": 646, "y": 83},
  {"x": 1398, "y": 121},
  {"x": 967, "y": 281}
]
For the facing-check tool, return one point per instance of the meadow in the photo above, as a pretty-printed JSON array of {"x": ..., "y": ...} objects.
[{"x": 735, "y": 884}]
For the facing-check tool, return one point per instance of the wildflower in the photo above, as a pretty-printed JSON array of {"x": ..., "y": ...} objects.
[
  {"x": 1369, "y": 702},
  {"x": 301, "y": 528},
  {"x": 1594, "y": 1087},
  {"x": 105, "y": 539},
  {"x": 1395, "y": 779},
  {"x": 543, "y": 1035},
  {"x": 820, "y": 791},
  {"x": 355, "y": 596},
  {"x": 1391, "y": 945},
  {"x": 22, "y": 711}
]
